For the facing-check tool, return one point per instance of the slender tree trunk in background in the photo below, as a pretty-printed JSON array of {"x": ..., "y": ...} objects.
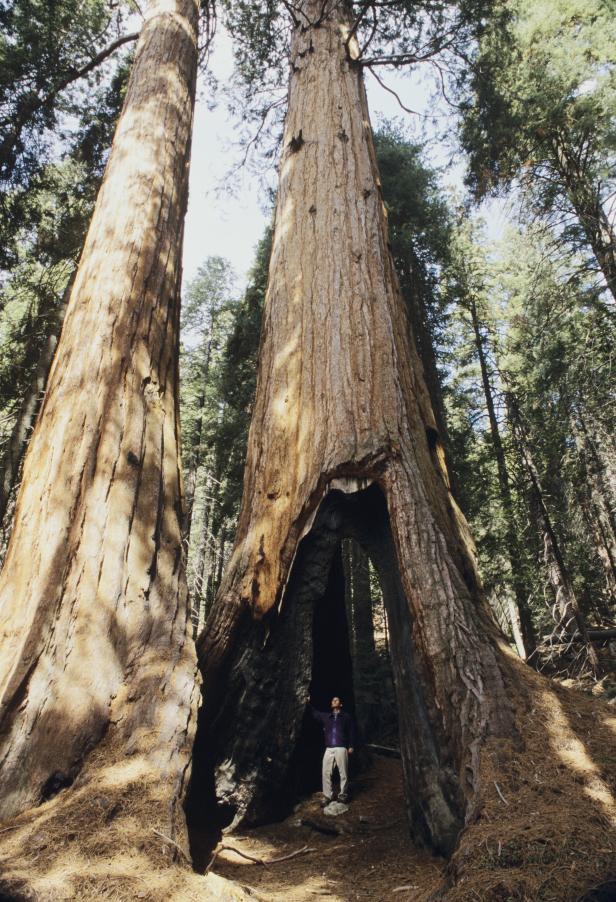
[
  {"x": 417, "y": 308},
  {"x": 601, "y": 476},
  {"x": 596, "y": 504},
  {"x": 363, "y": 603},
  {"x": 13, "y": 454},
  {"x": 97, "y": 661},
  {"x": 196, "y": 460},
  {"x": 586, "y": 202},
  {"x": 513, "y": 616},
  {"x": 204, "y": 553},
  {"x": 366, "y": 669},
  {"x": 341, "y": 443},
  {"x": 520, "y": 589},
  {"x": 602, "y": 606},
  {"x": 190, "y": 484},
  {"x": 220, "y": 563},
  {"x": 570, "y": 618}
]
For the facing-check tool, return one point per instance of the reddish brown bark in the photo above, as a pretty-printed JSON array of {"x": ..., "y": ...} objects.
[
  {"x": 341, "y": 404},
  {"x": 97, "y": 662}
]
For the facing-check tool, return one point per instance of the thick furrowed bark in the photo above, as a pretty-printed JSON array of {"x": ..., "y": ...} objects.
[
  {"x": 341, "y": 395},
  {"x": 341, "y": 407},
  {"x": 95, "y": 640}
]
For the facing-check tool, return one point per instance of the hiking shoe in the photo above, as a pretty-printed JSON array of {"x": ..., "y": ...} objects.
[{"x": 325, "y": 802}]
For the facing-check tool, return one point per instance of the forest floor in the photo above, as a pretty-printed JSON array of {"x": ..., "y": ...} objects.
[
  {"x": 372, "y": 857},
  {"x": 545, "y": 830}
]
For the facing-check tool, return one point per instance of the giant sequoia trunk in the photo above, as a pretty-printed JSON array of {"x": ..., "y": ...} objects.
[
  {"x": 341, "y": 404},
  {"x": 96, "y": 661},
  {"x": 343, "y": 442}
]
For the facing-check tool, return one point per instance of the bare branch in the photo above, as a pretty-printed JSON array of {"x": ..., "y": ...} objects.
[
  {"x": 40, "y": 102},
  {"x": 303, "y": 851},
  {"x": 174, "y": 844},
  {"x": 391, "y": 91}
]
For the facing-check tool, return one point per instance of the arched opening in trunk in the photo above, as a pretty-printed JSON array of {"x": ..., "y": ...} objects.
[{"x": 255, "y": 751}]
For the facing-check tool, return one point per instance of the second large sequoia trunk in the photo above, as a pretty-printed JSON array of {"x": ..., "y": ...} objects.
[
  {"x": 97, "y": 675},
  {"x": 343, "y": 442}
]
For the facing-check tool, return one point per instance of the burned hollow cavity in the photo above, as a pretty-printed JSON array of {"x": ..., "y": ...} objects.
[{"x": 252, "y": 755}]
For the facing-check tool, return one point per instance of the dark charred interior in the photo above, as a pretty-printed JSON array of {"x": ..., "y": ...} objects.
[{"x": 260, "y": 751}]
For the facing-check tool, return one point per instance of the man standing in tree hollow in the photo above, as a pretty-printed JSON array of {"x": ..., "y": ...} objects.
[{"x": 339, "y": 733}]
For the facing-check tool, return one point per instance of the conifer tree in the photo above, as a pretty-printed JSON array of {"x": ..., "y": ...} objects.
[
  {"x": 344, "y": 442},
  {"x": 97, "y": 662}
]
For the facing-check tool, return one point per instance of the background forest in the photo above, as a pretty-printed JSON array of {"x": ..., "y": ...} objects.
[
  {"x": 516, "y": 335},
  {"x": 281, "y": 468}
]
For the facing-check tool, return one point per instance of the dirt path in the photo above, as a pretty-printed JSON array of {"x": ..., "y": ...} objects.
[{"x": 371, "y": 858}]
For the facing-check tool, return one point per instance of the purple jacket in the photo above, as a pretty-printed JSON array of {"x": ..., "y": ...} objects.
[{"x": 339, "y": 729}]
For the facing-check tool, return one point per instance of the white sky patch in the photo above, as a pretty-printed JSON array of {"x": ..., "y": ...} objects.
[{"x": 231, "y": 224}]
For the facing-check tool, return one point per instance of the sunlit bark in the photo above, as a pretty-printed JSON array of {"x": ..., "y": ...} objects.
[
  {"x": 341, "y": 396},
  {"x": 96, "y": 661}
]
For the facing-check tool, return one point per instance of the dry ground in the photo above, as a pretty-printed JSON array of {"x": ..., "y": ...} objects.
[
  {"x": 372, "y": 857},
  {"x": 544, "y": 830}
]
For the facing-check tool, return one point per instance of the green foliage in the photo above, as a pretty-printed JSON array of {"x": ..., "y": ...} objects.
[
  {"x": 539, "y": 109},
  {"x": 218, "y": 369},
  {"x": 418, "y": 213},
  {"x": 207, "y": 317},
  {"x": 45, "y": 241},
  {"x": 42, "y": 46},
  {"x": 547, "y": 338},
  {"x": 47, "y": 112},
  {"x": 391, "y": 34},
  {"x": 558, "y": 359},
  {"x": 239, "y": 376},
  {"x": 542, "y": 70}
]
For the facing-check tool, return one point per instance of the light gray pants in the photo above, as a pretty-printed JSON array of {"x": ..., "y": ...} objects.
[{"x": 340, "y": 757}]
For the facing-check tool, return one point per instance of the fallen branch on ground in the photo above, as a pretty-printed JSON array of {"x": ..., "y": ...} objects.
[
  {"x": 303, "y": 851},
  {"x": 384, "y": 750}
]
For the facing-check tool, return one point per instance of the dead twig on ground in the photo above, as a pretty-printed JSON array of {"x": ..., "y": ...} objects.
[
  {"x": 498, "y": 789},
  {"x": 303, "y": 851},
  {"x": 174, "y": 844}
]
